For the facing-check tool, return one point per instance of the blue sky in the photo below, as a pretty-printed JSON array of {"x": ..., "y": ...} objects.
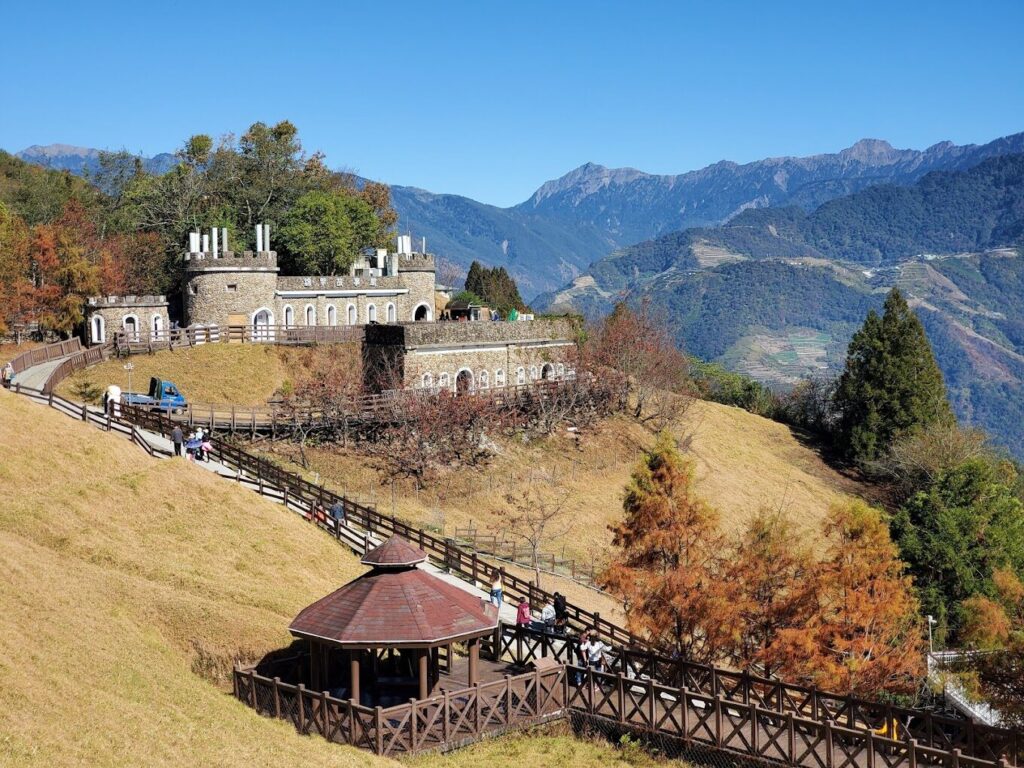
[{"x": 491, "y": 99}]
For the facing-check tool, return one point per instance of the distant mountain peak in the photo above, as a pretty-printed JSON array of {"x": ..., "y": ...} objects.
[
  {"x": 872, "y": 152},
  {"x": 57, "y": 150},
  {"x": 586, "y": 180}
]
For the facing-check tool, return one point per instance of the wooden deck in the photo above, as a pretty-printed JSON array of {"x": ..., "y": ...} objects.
[{"x": 489, "y": 672}]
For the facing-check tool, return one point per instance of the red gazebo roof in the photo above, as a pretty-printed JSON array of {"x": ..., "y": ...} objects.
[
  {"x": 396, "y": 605},
  {"x": 396, "y": 552}
]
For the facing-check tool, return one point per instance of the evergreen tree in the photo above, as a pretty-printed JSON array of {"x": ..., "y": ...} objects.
[
  {"x": 669, "y": 570},
  {"x": 495, "y": 286},
  {"x": 956, "y": 535},
  {"x": 891, "y": 383}
]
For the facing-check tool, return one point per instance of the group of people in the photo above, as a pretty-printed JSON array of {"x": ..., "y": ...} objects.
[
  {"x": 197, "y": 445},
  {"x": 554, "y": 618}
]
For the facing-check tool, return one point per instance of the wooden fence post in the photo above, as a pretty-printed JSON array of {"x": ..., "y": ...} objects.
[
  {"x": 277, "y": 697},
  {"x": 755, "y": 731},
  {"x": 326, "y": 715},
  {"x": 718, "y": 722},
  {"x": 378, "y": 723},
  {"x": 252, "y": 688}
]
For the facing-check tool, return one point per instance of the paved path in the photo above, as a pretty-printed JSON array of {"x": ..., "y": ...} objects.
[{"x": 36, "y": 376}]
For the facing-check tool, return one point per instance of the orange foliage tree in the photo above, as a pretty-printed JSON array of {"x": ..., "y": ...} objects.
[
  {"x": 669, "y": 568},
  {"x": 865, "y": 636},
  {"x": 772, "y": 586}
]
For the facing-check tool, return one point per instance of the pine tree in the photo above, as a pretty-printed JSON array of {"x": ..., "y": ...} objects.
[
  {"x": 669, "y": 570},
  {"x": 865, "y": 636},
  {"x": 891, "y": 383}
]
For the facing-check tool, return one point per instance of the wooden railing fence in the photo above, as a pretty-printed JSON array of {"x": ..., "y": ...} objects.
[
  {"x": 437, "y": 723},
  {"x": 631, "y": 655},
  {"x": 509, "y": 549},
  {"x": 45, "y": 354},
  {"x": 144, "y": 342}
]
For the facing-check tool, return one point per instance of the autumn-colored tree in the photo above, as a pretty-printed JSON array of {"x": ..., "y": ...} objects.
[
  {"x": 772, "y": 585},
  {"x": 15, "y": 286},
  {"x": 637, "y": 345},
  {"x": 668, "y": 570},
  {"x": 865, "y": 637},
  {"x": 985, "y": 624}
]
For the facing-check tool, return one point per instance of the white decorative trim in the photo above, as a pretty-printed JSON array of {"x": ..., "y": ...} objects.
[{"x": 330, "y": 294}]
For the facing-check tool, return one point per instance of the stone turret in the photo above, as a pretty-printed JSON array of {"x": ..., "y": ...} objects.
[{"x": 140, "y": 316}]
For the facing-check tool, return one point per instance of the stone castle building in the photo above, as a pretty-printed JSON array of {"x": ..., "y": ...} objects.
[{"x": 392, "y": 294}]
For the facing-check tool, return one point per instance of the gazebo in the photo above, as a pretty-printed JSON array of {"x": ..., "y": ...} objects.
[{"x": 385, "y": 629}]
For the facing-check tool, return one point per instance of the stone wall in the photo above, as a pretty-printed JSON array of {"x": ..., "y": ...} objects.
[
  {"x": 149, "y": 312},
  {"x": 489, "y": 354}
]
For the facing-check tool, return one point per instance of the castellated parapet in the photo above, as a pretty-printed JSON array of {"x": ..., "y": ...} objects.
[
  {"x": 482, "y": 354},
  {"x": 138, "y": 316}
]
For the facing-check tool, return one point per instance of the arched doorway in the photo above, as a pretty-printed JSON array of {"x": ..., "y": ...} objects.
[
  {"x": 262, "y": 319},
  {"x": 464, "y": 381},
  {"x": 131, "y": 327},
  {"x": 289, "y": 316},
  {"x": 421, "y": 313},
  {"x": 99, "y": 330},
  {"x": 158, "y": 326},
  {"x": 391, "y": 313},
  {"x": 548, "y": 371},
  {"x": 351, "y": 314}
]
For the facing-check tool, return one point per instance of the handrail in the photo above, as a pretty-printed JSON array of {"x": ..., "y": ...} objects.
[
  {"x": 311, "y": 499},
  {"x": 45, "y": 354}
]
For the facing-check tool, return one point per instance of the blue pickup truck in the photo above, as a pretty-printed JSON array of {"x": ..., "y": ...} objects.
[{"x": 163, "y": 396}]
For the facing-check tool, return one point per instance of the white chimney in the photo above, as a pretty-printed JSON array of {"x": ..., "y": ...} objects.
[
  {"x": 224, "y": 238},
  {"x": 206, "y": 243},
  {"x": 193, "y": 242},
  {"x": 259, "y": 238},
  {"x": 214, "y": 240},
  {"x": 266, "y": 237},
  {"x": 424, "y": 245}
]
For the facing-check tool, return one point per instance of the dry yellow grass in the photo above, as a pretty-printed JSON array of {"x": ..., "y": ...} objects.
[
  {"x": 743, "y": 463},
  {"x": 553, "y": 746},
  {"x": 124, "y": 578},
  {"x": 243, "y": 374}
]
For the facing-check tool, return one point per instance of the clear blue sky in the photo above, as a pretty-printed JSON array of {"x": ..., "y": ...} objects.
[{"x": 491, "y": 99}]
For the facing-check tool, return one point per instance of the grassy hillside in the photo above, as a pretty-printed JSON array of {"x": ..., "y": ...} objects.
[
  {"x": 744, "y": 462},
  {"x": 129, "y": 586},
  {"x": 244, "y": 374}
]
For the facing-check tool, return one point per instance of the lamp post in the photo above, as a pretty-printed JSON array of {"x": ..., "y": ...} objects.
[
  {"x": 131, "y": 367},
  {"x": 931, "y": 622}
]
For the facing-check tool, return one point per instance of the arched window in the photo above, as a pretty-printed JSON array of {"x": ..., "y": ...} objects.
[
  {"x": 351, "y": 314},
  {"x": 548, "y": 371},
  {"x": 561, "y": 370},
  {"x": 428, "y": 381},
  {"x": 158, "y": 326},
  {"x": 99, "y": 330},
  {"x": 392, "y": 315},
  {"x": 422, "y": 312},
  {"x": 533, "y": 373},
  {"x": 310, "y": 314},
  {"x": 520, "y": 375},
  {"x": 443, "y": 381},
  {"x": 131, "y": 327},
  {"x": 332, "y": 315},
  {"x": 483, "y": 380},
  {"x": 289, "y": 316},
  {"x": 464, "y": 381},
  {"x": 499, "y": 377},
  {"x": 371, "y": 313}
]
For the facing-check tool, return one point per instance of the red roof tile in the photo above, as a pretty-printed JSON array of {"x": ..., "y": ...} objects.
[
  {"x": 395, "y": 552},
  {"x": 396, "y": 607}
]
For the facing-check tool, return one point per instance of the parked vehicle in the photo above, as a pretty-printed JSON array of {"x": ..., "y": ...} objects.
[{"x": 163, "y": 396}]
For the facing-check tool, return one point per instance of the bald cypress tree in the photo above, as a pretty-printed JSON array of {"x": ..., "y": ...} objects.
[{"x": 891, "y": 383}]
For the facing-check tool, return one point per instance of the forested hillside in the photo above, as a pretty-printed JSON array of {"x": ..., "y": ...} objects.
[{"x": 775, "y": 292}]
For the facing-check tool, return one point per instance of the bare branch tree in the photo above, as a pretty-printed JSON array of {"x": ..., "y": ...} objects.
[{"x": 537, "y": 519}]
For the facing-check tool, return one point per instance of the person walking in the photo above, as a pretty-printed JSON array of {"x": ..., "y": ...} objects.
[
  {"x": 497, "y": 591},
  {"x": 523, "y": 613},
  {"x": 561, "y": 613},
  {"x": 177, "y": 437}
]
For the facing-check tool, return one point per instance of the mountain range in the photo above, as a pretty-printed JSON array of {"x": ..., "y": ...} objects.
[
  {"x": 777, "y": 292},
  {"x": 570, "y": 222},
  {"x": 85, "y": 161}
]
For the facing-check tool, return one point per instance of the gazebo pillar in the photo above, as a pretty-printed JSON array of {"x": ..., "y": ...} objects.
[
  {"x": 474, "y": 660},
  {"x": 353, "y": 668},
  {"x": 424, "y": 655}
]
